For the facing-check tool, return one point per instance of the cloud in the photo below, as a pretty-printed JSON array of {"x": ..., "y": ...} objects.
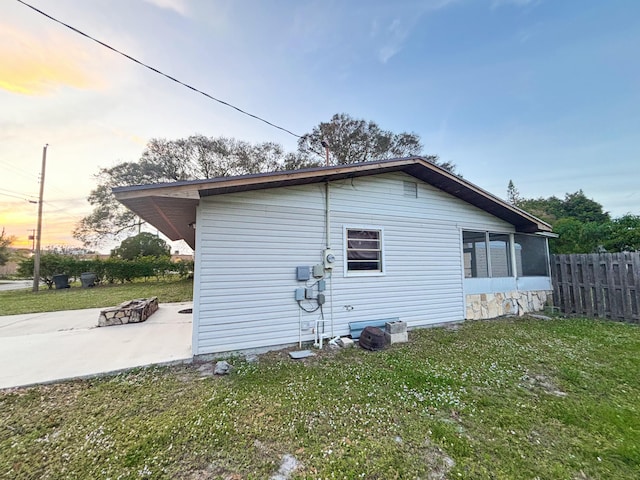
[
  {"x": 396, "y": 32},
  {"x": 395, "y": 36},
  {"x": 32, "y": 65},
  {"x": 178, "y": 6}
]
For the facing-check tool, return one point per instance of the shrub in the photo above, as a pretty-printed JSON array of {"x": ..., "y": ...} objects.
[{"x": 111, "y": 270}]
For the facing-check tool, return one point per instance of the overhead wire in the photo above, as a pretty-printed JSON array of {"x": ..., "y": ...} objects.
[
  {"x": 16, "y": 196},
  {"x": 56, "y": 208},
  {"x": 18, "y": 171},
  {"x": 17, "y": 193},
  {"x": 159, "y": 72}
]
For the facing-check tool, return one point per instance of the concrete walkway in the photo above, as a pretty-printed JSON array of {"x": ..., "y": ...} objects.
[
  {"x": 6, "y": 285},
  {"x": 53, "y": 346}
]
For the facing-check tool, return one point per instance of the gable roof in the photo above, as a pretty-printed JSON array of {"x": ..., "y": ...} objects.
[{"x": 170, "y": 207}]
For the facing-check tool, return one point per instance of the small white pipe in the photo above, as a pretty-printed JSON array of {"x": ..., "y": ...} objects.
[
  {"x": 331, "y": 300},
  {"x": 299, "y": 328}
]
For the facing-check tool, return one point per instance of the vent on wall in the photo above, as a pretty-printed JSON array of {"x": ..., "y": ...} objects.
[{"x": 410, "y": 189}]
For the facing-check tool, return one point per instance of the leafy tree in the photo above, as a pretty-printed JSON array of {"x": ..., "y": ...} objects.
[
  {"x": 5, "y": 243},
  {"x": 353, "y": 140},
  {"x": 199, "y": 157},
  {"x": 169, "y": 161},
  {"x": 144, "y": 244},
  {"x": 547, "y": 209},
  {"x": 575, "y": 205},
  {"x": 583, "y": 226},
  {"x": 623, "y": 234},
  {"x": 578, "y": 237}
]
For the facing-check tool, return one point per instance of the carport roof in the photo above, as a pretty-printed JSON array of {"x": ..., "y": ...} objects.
[{"x": 171, "y": 207}]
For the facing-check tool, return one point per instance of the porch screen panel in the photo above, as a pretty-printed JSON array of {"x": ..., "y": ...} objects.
[
  {"x": 531, "y": 253},
  {"x": 500, "y": 255},
  {"x": 475, "y": 255}
]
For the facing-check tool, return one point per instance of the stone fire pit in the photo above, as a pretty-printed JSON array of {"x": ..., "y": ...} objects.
[{"x": 133, "y": 311}]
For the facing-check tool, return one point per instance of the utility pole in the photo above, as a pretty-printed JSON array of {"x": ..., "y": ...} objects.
[
  {"x": 32, "y": 237},
  {"x": 36, "y": 259}
]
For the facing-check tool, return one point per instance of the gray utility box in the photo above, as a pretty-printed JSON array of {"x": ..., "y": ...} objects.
[
  {"x": 303, "y": 273},
  {"x": 396, "y": 332}
]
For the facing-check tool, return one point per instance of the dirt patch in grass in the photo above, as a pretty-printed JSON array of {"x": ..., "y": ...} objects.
[{"x": 541, "y": 382}]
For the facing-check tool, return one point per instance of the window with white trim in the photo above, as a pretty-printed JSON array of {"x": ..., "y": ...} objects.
[{"x": 364, "y": 250}]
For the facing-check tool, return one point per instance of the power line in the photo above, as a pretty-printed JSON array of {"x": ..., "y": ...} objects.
[
  {"x": 18, "y": 171},
  {"x": 56, "y": 208},
  {"x": 158, "y": 71},
  {"x": 17, "y": 193},
  {"x": 68, "y": 199},
  {"x": 20, "y": 198}
]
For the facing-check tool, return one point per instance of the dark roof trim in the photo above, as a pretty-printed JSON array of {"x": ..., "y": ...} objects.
[{"x": 417, "y": 167}]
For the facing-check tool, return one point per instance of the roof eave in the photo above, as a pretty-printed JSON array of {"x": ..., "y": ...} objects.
[{"x": 417, "y": 167}]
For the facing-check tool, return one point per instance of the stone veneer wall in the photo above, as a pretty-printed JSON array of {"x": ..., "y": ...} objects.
[
  {"x": 490, "y": 305},
  {"x": 133, "y": 311}
]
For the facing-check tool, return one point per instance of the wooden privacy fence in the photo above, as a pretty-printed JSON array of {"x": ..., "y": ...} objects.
[{"x": 605, "y": 285}]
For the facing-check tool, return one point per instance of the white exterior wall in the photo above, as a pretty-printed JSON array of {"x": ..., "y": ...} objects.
[{"x": 249, "y": 244}]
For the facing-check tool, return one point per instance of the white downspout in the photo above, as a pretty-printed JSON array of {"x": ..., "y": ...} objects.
[
  {"x": 327, "y": 215},
  {"x": 327, "y": 227}
]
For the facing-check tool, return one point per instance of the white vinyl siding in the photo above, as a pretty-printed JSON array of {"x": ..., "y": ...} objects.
[{"x": 249, "y": 245}]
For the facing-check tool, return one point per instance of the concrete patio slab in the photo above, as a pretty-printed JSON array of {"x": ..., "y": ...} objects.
[{"x": 54, "y": 346}]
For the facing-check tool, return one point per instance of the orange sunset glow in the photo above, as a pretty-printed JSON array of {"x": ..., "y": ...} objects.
[
  {"x": 56, "y": 64},
  {"x": 18, "y": 219}
]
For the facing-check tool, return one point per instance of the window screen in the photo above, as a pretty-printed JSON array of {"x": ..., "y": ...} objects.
[
  {"x": 475, "y": 254},
  {"x": 500, "y": 255},
  {"x": 486, "y": 255},
  {"x": 531, "y": 256},
  {"x": 364, "y": 250}
]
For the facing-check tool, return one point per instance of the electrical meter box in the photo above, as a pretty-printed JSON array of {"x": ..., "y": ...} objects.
[
  {"x": 329, "y": 259},
  {"x": 303, "y": 273},
  {"x": 318, "y": 271}
]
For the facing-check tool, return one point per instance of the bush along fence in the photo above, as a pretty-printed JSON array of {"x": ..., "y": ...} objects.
[
  {"x": 111, "y": 270},
  {"x": 605, "y": 285}
]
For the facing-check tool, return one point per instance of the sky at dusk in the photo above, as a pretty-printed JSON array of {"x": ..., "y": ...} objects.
[{"x": 543, "y": 92}]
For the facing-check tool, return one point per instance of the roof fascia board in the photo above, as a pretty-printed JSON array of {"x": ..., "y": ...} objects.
[
  {"x": 261, "y": 180},
  {"x": 417, "y": 167}
]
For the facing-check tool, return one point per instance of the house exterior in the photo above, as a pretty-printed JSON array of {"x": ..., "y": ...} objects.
[{"x": 289, "y": 257}]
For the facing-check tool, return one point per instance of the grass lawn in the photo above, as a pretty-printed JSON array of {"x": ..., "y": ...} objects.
[
  {"x": 502, "y": 399},
  {"x": 25, "y": 301}
]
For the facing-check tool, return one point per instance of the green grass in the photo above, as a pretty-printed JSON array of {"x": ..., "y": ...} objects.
[
  {"x": 25, "y": 301},
  {"x": 503, "y": 399}
]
